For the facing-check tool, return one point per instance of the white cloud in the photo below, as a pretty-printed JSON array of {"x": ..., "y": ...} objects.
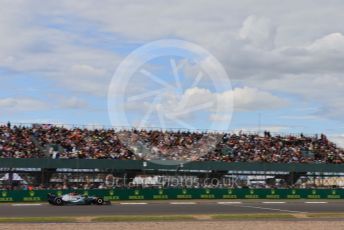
[
  {"x": 324, "y": 90},
  {"x": 312, "y": 72},
  {"x": 284, "y": 47},
  {"x": 245, "y": 99},
  {"x": 219, "y": 117},
  {"x": 196, "y": 99},
  {"x": 66, "y": 57},
  {"x": 338, "y": 139},
  {"x": 252, "y": 99},
  {"x": 329, "y": 43},
  {"x": 84, "y": 78},
  {"x": 15, "y": 105},
  {"x": 10, "y": 104},
  {"x": 300, "y": 117},
  {"x": 271, "y": 128},
  {"x": 73, "y": 103},
  {"x": 258, "y": 31}
]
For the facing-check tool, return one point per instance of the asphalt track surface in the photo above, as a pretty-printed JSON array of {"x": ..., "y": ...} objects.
[{"x": 173, "y": 208}]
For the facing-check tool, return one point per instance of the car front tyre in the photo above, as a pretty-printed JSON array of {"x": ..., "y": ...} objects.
[{"x": 100, "y": 201}]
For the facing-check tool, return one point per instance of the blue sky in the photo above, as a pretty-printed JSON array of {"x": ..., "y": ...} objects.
[{"x": 284, "y": 62}]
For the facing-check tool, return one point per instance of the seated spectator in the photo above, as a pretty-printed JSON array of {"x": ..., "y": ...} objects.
[{"x": 41, "y": 141}]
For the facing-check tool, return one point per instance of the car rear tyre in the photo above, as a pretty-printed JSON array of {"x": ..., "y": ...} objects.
[{"x": 58, "y": 201}]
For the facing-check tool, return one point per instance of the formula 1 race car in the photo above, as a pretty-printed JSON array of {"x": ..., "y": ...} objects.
[{"x": 76, "y": 199}]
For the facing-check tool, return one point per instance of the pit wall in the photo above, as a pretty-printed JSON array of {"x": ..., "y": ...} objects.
[{"x": 175, "y": 194}]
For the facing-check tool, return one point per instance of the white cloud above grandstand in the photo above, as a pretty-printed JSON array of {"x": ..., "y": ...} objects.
[
  {"x": 73, "y": 103},
  {"x": 175, "y": 106},
  {"x": 338, "y": 139},
  {"x": 21, "y": 104},
  {"x": 258, "y": 31},
  {"x": 253, "y": 99},
  {"x": 271, "y": 128},
  {"x": 280, "y": 56}
]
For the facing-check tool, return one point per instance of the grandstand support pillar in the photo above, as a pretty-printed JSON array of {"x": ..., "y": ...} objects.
[
  {"x": 10, "y": 174},
  {"x": 215, "y": 178},
  {"x": 292, "y": 177},
  {"x": 130, "y": 175},
  {"x": 10, "y": 178},
  {"x": 144, "y": 167},
  {"x": 45, "y": 176}
]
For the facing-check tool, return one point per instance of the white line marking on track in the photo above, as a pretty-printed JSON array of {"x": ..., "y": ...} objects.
[
  {"x": 234, "y": 202},
  {"x": 316, "y": 202},
  {"x": 182, "y": 203},
  {"x": 272, "y": 209},
  {"x": 273, "y": 202},
  {"x": 17, "y": 205},
  {"x": 133, "y": 203}
]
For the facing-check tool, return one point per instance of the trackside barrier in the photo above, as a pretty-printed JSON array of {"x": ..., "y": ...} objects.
[{"x": 175, "y": 194}]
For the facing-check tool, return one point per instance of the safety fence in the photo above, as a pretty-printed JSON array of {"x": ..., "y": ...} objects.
[
  {"x": 140, "y": 165},
  {"x": 253, "y": 131},
  {"x": 175, "y": 194}
]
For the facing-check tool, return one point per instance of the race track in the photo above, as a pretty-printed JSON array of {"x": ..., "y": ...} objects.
[{"x": 173, "y": 207}]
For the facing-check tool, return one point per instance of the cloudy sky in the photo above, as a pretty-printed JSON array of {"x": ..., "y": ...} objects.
[{"x": 284, "y": 60}]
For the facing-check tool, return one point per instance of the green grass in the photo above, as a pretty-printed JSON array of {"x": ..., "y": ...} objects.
[
  {"x": 141, "y": 218},
  {"x": 190, "y": 217},
  {"x": 325, "y": 215},
  {"x": 37, "y": 220},
  {"x": 251, "y": 216}
]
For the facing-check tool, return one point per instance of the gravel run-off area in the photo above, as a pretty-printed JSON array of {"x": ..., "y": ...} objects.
[{"x": 199, "y": 225}]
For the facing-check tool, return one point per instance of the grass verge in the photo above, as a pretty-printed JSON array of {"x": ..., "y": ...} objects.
[
  {"x": 192, "y": 217},
  {"x": 325, "y": 215},
  {"x": 141, "y": 218},
  {"x": 152, "y": 218},
  {"x": 251, "y": 216},
  {"x": 37, "y": 220}
]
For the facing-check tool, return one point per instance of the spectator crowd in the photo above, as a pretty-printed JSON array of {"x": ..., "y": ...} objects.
[{"x": 39, "y": 141}]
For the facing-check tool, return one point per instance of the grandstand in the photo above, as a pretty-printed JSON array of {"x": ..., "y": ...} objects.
[
  {"x": 44, "y": 157},
  {"x": 49, "y": 141}
]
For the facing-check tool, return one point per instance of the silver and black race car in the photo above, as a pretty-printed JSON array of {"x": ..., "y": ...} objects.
[{"x": 76, "y": 199}]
